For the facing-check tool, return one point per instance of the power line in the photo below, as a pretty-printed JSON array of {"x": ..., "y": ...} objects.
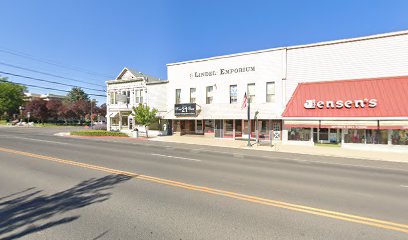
[
  {"x": 78, "y": 69},
  {"x": 47, "y": 81},
  {"x": 49, "y": 74},
  {"x": 54, "y": 89}
]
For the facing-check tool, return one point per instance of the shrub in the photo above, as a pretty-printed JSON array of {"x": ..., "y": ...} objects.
[
  {"x": 99, "y": 127},
  {"x": 98, "y": 133}
]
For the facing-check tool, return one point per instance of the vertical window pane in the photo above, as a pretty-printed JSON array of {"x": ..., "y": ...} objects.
[
  {"x": 178, "y": 93},
  {"x": 209, "y": 95},
  {"x": 192, "y": 95},
  {"x": 270, "y": 92},
  {"x": 251, "y": 92},
  {"x": 233, "y": 94}
]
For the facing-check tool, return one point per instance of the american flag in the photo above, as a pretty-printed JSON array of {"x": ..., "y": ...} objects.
[{"x": 244, "y": 102}]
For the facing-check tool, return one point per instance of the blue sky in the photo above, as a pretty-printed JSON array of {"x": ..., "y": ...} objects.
[{"x": 104, "y": 36}]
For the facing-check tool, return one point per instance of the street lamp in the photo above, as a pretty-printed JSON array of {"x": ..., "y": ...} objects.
[{"x": 21, "y": 108}]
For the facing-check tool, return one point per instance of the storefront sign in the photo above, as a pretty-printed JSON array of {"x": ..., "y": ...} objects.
[
  {"x": 339, "y": 104},
  {"x": 185, "y": 109},
  {"x": 222, "y": 71}
]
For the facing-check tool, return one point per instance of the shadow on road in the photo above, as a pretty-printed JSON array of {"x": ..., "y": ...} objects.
[{"x": 29, "y": 211}]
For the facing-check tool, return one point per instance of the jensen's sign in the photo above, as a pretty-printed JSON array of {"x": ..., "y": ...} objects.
[
  {"x": 360, "y": 103},
  {"x": 185, "y": 109}
]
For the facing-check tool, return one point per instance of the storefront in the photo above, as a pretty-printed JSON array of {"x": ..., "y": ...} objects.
[{"x": 349, "y": 112}]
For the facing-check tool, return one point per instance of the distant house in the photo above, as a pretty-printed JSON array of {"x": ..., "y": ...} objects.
[
  {"x": 28, "y": 97},
  {"x": 128, "y": 90}
]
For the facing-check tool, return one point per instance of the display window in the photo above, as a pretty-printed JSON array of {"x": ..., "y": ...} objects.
[
  {"x": 399, "y": 137},
  {"x": 299, "y": 134}
]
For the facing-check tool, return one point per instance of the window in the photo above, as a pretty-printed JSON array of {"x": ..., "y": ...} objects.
[
  {"x": 113, "y": 98},
  {"x": 127, "y": 95},
  {"x": 192, "y": 95},
  {"x": 299, "y": 134},
  {"x": 270, "y": 92},
  {"x": 209, "y": 94},
  {"x": 233, "y": 94},
  {"x": 251, "y": 93},
  {"x": 139, "y": 96},
  {"x": 354, "y": 136},
  {"x": 178, "y": 93},
  {"x": 399, "y": 137}
]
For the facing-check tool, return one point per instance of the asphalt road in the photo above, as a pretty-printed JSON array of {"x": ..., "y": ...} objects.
[{"x": 68, "y": 188}]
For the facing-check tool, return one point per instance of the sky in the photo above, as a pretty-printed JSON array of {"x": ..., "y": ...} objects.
[{"x": 89, "y": 42}]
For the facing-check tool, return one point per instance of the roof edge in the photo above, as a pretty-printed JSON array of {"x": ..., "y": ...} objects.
[{"x": 345, "y": 40}]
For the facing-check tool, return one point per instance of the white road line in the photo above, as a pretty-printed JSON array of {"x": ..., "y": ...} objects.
[
  {"x": 406, "y": 186},
  {"x": 167, "y": 156},
  {"x": 39, "y": 140}
]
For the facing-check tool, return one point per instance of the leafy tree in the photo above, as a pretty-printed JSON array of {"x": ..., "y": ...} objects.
[
  {"x": 54, "y": 106},
  {"x": 80, "y": 108},
  {"x": 38, "y": 109},
  {"x": 77, "y": 94},
  {"x": 11, "y": 97},
  {"x": 144, "y": 116}
]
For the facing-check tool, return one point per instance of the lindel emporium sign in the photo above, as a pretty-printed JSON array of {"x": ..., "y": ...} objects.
[
  {"x": 339, "y": 104},
  {"x": 222, "y": 71}
]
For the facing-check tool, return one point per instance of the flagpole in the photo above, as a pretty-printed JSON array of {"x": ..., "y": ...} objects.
[{"x": 249, "y": 122}]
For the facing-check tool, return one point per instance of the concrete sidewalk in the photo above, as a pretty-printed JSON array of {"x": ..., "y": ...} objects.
[{"x": 312, "y": 150}]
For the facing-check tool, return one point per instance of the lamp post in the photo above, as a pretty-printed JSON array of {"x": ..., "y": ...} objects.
[
  {"x": 92, "y": 102},
  {"x": 21, "y": 108}
]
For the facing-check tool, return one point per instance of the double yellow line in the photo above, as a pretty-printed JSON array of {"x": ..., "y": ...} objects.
[{"x": 295, "y": 207}]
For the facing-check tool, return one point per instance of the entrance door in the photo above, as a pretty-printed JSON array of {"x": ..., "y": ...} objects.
[
  {"x": 277, "y": 130},
  {"x": 219, "y": 128}
]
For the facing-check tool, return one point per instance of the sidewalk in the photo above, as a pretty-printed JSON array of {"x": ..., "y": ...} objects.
[{"x": 312, "y": 150}]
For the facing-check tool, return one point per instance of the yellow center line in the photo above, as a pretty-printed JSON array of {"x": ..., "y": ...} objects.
[{"x": 249, "y": 198}]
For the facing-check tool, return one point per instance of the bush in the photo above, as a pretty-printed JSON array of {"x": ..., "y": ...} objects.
[
  {"x": 99, "y": 127},
  {"x": 98, "y": 133}
]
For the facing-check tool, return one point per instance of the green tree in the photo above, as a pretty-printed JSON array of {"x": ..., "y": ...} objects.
[
  {"x": 144, "y": 116},
  {"x": 11, "y": 97},
  {"x": 77, "y": 94}
]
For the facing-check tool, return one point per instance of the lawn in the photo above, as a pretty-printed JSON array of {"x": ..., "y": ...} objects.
[{"x": 98, "y": 133}]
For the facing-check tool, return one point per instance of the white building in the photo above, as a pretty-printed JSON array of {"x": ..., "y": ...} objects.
[
  {"x": 128, "y": 90},
  {"x": 205, "y": 95}
]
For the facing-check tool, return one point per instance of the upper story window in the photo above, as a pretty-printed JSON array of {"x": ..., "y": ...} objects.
[
  {"x": 127, "y": 95},
  {"x": 139, "y": 96},
  {"x": 113, "y": 98},
  {"x": 270, "y": 92},
  {"x": 178, "y": 96},
  {"x": 209, "y": 94},
  {"x": 192, "y": 95},
  {"x": 233, "y": 94},
  {"x": 251, "y": 92}
]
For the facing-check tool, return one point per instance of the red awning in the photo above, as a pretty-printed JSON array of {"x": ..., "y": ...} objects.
[{"x": 350, "y": 99}]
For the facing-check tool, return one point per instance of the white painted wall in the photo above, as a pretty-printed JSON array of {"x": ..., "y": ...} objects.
[
  {"x": 268, "y": 68},
  {"x": 381, "y": 56}
]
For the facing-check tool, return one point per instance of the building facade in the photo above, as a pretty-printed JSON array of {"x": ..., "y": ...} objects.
[
  {"x": 205, "y": 95},
  {"x": 128, "y": 90}
]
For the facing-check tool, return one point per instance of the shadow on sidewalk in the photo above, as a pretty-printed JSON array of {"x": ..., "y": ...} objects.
[{"x": 29, "y": 213}]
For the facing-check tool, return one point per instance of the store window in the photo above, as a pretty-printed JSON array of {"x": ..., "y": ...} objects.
[
  {"x": 399, "y": 137},
  {"x": 299, "y": 134},
  {"x": 229, "y": 128},
  {"x": 209, "y": 126},
  {"x": 178, "y": 95},
  {"x": 270, "y": 92},
  {"x": 233, "y": 94},
  {"x": 138, "y": 96},
  {"x": 192, "y": 95},
  {"x": 377, "y": 136},
  {"x": 354, "y": 136},
  {"x": 114, "y": 121},
  {"x": 200, "y": 125},
  {"x": 251, "y": 92},
  {"x": 209, "y": 94}
]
